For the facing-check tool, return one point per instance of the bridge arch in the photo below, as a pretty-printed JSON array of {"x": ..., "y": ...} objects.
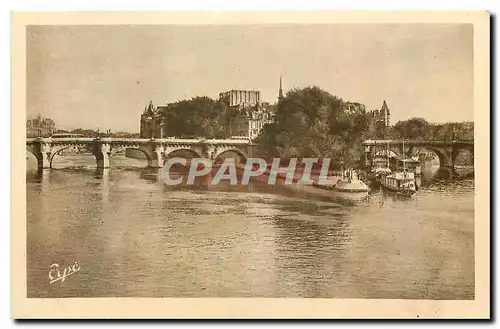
[
  {"x": 57, "y": 150},
  {"x": 465, "y": 154},
  {"x": 31, "y": 153},
  {"x": 444, "y": 158},
  {"x": 419, "y": 151},
  {"x": 30, "y": 148},
  {"x": 116, "y": 149},
  {"x": 142, "y": 158},
  {"x": 218, "y": 154},
  {"x": 169, "y": 152},
  {"x": 378, "y": 149}
]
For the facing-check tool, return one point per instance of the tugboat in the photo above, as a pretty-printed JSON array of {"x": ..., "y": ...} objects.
[{"x": 403, "y": 183}]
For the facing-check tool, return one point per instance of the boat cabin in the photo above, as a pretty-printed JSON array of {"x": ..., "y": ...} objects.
[
  {"x": 400, "y": 163},
  {"x": 399, "y": 179}
]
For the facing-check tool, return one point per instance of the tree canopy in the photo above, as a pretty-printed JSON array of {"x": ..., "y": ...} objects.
[
  {"x": 311, "y": 122},
  {"x": 199, "y": 116},
  {"x": 420, "y": 129}
]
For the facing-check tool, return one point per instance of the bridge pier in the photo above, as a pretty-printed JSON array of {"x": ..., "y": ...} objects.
[
  {"x": 447, "y": 172},
  {"x": 210, "y": 152},
  {"x": 42, "y": 151},
  {"x": 102, "y": 153},
  {"x": 155, "y": 159},
  {"x": 43, "y": 159}
]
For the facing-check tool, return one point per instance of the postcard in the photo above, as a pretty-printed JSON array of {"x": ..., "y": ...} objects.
[{"x": 251, "y": 165}]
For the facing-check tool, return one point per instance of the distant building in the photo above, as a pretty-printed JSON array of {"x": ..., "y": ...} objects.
[
  {"x": 241, "y": 97},
  {"x": 252, "y": 116},
  {"x": 151, "y": 126},
  {"x": 40, "y": 127},
  {"x": 382, "y": 117},
  {"x": 352, "y": 107}
]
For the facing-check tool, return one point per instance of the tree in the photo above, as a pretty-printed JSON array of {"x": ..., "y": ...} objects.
[
  {"x": 311, "y": 122},
  {"x": 414, "y": 128},
  {"x": 188, "y": 118},
  {"x": 418, "y": 128},
  {"x": 199, "y": 117}
]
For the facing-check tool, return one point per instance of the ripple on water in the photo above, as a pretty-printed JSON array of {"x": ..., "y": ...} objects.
[{"x": 136, "y": 238}]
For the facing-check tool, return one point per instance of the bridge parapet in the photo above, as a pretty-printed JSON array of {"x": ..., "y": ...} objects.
[
  {"x": 139, "y": 140},
  {"x": 371, "y": 142}
]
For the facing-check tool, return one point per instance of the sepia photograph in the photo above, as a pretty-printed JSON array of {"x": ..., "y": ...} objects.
[{"x": 264, "y": 159}]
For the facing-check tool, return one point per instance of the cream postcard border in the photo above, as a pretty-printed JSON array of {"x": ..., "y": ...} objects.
[{"x": 23, "y": 307}]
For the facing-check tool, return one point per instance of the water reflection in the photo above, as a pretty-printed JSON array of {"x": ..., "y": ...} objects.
[
  {"x": 304, "y": 269},
  {"x": 136, "y": 237},
  {"x": 153, "y": 175}
]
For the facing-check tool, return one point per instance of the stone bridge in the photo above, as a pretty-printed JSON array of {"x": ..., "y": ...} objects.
[
  {"x": 155, "y": 150},
  {"x": 446, "y": 151}
]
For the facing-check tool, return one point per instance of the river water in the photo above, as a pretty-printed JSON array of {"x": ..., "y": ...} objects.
[{"x": 132, "y": 236}]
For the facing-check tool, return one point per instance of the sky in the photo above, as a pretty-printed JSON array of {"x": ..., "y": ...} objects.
[{"x": 102, "y": 77}]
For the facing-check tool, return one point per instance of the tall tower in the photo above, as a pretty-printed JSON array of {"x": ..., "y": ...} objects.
[
  {"x": 280, "y": 94},
  {"x": 385, "y": 113}
]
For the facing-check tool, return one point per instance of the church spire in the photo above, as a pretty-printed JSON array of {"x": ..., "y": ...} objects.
[
  {"x": 280, "y": 95},
  {"x": 384, "y": 111},
  {"x": 384, "y": 106}
]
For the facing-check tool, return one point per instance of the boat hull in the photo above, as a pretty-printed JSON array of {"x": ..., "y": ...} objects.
[
  {"x": 403, "y": 192},
  {"x": 346, "y": 190},
  {"x": 353, "y": 196},
  {"x": 321, "y": 192}
]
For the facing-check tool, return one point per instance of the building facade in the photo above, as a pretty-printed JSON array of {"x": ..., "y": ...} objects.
[
  {"x": 382, "y": 117},
  {"x": 354, "y": 108},
  {"x": 40, "y": 127},
  {"x": 241, "y": 97},
  {"x": 151, "y": 123},
  {"x": 252, "y": 115}
]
